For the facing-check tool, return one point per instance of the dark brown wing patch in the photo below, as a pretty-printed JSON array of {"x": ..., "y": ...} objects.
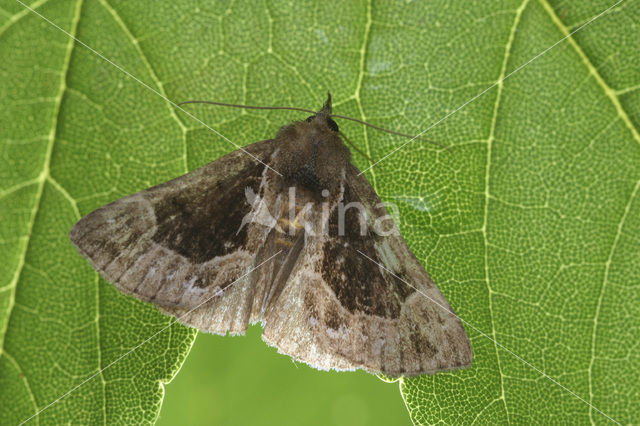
[
  {"x": 359, "y": 285},
  {"x": 201, "y": 223}
]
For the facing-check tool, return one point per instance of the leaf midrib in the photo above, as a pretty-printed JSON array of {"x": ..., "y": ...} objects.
[{"x": 41, "y": 180}]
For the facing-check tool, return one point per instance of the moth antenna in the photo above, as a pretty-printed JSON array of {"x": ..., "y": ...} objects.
[
  {"x": 344, "y": 117},
  {"x": 392, "y": 132},
  {"x": 247, "y": 106},
  {"x": 354, "y": 146}
]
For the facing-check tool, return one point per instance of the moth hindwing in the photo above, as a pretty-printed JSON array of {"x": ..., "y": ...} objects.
[{"x": 285, "y": 232}]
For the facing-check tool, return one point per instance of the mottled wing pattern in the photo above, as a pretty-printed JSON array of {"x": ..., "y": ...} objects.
[
  {"x": 340, "y": 310},
  {"x": 183, "y": 242}
]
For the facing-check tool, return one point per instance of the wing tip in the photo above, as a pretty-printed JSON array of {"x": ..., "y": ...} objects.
[{"x": 75, "y": 234}]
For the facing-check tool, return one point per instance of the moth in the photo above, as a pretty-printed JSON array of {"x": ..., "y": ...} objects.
[{"x": 287, "y": 233}]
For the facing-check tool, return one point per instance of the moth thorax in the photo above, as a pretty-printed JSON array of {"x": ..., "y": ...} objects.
[{"x": 311, "y": 155}]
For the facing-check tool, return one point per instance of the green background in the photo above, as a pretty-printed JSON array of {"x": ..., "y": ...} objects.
[
  {"x": 529, "y": 224},
  {"x": 240, "y": 380}
]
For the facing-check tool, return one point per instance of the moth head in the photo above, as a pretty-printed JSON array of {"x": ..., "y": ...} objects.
[
  {"x": 332, "y": 125},
  {"x": 311, "y": 153},
  {"x": 324, "y": 116}
]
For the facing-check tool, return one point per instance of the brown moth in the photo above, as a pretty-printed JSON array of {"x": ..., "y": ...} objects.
[{"x": 270, "y": 235}]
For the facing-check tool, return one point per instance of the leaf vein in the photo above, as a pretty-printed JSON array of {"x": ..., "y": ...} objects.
[
  {"x": 605, "y": 280},
  {"x": 609, "y": 92},
  {"x": 152, "y": 73},
  {"x": 490, "y": 140},
  {"x": 18, "y": 16},
  {"x": 358, "y": 88},
  {"x": 25, "y": 381}
]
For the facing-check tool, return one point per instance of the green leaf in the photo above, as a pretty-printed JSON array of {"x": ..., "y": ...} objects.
[
  {"x": 69, "y": 145},
  {"x": 529, "y": 224}
]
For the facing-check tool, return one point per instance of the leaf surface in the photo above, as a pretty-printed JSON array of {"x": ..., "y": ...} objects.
[{"x": 530, "y": 224}]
